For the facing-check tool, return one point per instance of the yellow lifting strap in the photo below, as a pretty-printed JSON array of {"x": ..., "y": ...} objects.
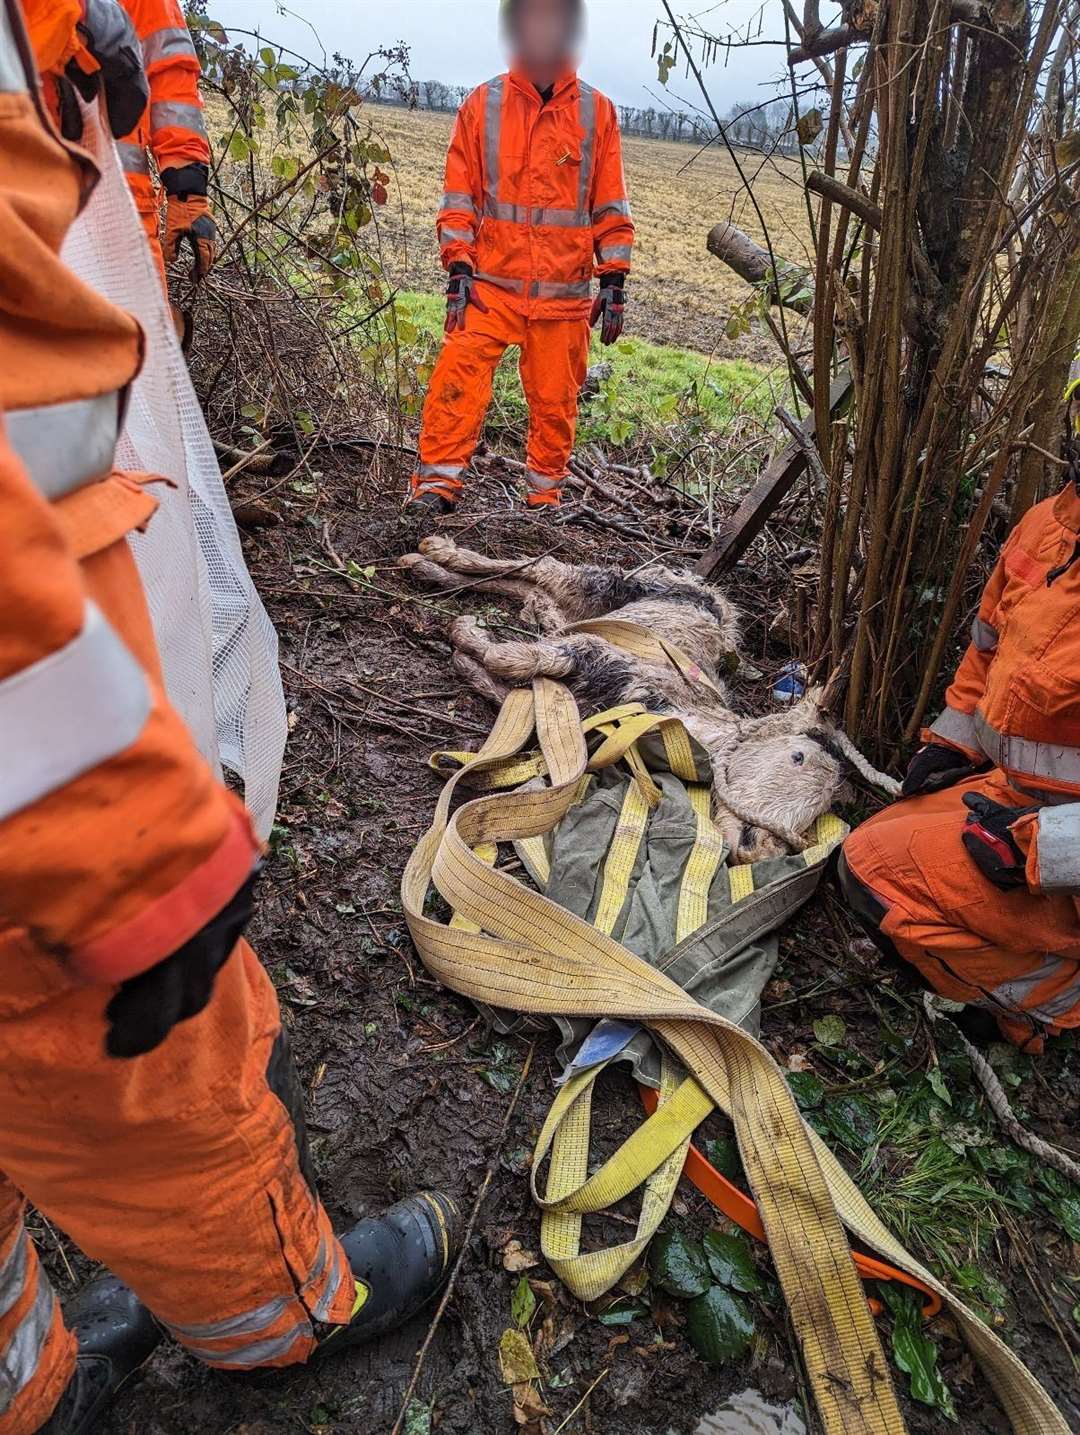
[{"x": 527, "y": 953}]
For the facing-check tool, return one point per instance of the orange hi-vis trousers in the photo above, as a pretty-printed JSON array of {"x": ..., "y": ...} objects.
[
  {"x": 554, "y": 362},
  {"x": 180, "y": 1170},
  {"x": 1014, "y": 954}
]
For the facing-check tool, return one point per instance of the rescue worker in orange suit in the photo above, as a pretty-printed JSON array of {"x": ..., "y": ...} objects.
[
  {"x": 535, "y": 204},
  {"x": 148, "y": 1105},
  {"x": 171, "y": 129},
  {"x": 974, "y": 877}
]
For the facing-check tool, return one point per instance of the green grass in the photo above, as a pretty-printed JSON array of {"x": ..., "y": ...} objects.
[{"x": 655, "y": 394}]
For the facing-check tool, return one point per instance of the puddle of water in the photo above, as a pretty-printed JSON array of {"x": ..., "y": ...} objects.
[{"x": 751, "y": 1414}]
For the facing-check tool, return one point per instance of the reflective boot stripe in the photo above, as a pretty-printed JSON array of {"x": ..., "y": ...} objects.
[
  {"x": 543, "y": 482},
  {"x": 66, "y": 446},
  {"x": 13, "y": 1272},
  {"x": 12, "y": 73},
  {"x": 255, "y": 1321},
  {"x": 64, "y": 715},
  {"x": 170, "y": 43},
  {"x": 20, "y": 1358},
  {"x": 1018, "y": 993},
  {"x": 259, "y": 1352},
  {"x": 133, "y": 157},
  {"x": 440, "y": 470},
  {"x": 340, "y": 1272},
  {"x": 170, "y": 114}
]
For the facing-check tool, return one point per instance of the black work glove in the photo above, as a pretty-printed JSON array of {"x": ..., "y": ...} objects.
[
  {"x": 990, "y": 844},
  {"x": 609, "y": 304},
  {"x": 935, "y": 767},
  {"x": 147, "y": 1007},
  {"x": 460, "y": 293},
  {"x": 107, "y": 32}
]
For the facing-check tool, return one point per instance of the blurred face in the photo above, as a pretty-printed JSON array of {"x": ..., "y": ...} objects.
[{"x": 543, "y": 34}]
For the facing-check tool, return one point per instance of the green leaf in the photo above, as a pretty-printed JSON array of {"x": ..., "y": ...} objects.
[
  {"x": 830, "y": 1030},
  {"x": 806, "y": 1088},
  {"x": 268, "y": 56},
  {"x": 913, "y": 1350},
  {"x": 724, "y": 1154},
  {"x": 417, "y": 1419},
  {"x": 1067, "y": 1211},
  {"x": 678, "y": 1265},
  {"x": 852, "y": 1120},
  {"x": 623, "y": 1311},
  {"x": 239, "y": 147},
  {"x": 522, "y": 1302},
  {"x": 731, "y": 1261},
  {"x": 937, "y": 1085},
  {"x": 720, "y": 1326}
]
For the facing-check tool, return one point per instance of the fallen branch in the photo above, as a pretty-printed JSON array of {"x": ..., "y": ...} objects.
[{"x": 740, "y": 253}]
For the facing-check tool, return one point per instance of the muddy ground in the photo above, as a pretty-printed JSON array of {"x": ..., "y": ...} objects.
[{"x": 408, "y": 1088}]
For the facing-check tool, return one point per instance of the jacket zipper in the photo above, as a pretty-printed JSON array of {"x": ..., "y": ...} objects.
[{"x": 1063, "y": 568}]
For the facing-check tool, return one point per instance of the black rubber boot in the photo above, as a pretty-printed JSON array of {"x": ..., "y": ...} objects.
[
  {"x": 400, "y": 1259},
  {"x": 429, "y": 505},
  {"x": 117, "y": 1336}
]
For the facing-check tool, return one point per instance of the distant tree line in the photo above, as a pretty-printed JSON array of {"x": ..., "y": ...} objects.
[{"x": 751, "y": 125}]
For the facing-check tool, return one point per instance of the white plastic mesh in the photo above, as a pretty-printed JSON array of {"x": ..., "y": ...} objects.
[{"x": 218, "y": 647}]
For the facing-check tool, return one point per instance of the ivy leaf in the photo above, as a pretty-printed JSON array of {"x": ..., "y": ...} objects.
[
  {"x": 913, "y": 1350},
  {"x": 1067, "y": 1211},
  {"x": 852, "y": 1121},
  {"x": 678, "y": 1265},
  {"x": 830, "y": 1030},
  {"x": 807, "y": 1089},
  {"x": 522, "y": 1302},
  {"x": 731, "y": 1261},
  {"x": 937, "y": 1085},
  {"x": 720, "y": 1326}
]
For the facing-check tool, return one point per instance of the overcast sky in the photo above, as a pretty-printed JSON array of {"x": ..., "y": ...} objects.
[{"x": 458, "y": 41}]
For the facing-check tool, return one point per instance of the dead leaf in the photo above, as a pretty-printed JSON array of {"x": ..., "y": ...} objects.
[
  {"x": 515, "y": 1259},
  {"x": 809, "y": 127},
  {"x": 528, "y": 1404},
  {"x": 516, "y": 1359},
  {"x": 798, "y": 1061},
  {"x": 635, "y": 1281},
  {"x": 616, "y": 1340}
]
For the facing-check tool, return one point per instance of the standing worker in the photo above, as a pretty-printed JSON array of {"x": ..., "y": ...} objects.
[
  {"x": 148, "y": 1104},
  {"x": 535, "y": 205},
  {"x": 974, "y": 878}
]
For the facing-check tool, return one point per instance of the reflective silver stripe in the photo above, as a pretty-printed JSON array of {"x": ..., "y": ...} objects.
[
  {"x": 1044, "y": 795},
  {"x": 260, "y": 1352},
  {"x": 133, "y": 158},
  {"x": 611, "y": 253},
  {"x": 508, "y": 213},
  {"x": 958, "y": 727},
  {"x": 492, "y": 138},
  {"x": 21, "y": 1356},
  {"x": 587, "y": 121},
  {"x": 440, "y": 470},
  {"x": 612, "y": 206},
  {"x": 169, "y": 114},
  {"x": 66, "y": 446},
  {"x": 542, "y": 482},
  {"x": 1015, "y": 994},
  {"x": 512, "y": 286},
  {"x": 1050, "y": 760},
  {"x": 456, "y": 236},
  {"x": 544, "y": 289},
  {"x": 12, "y": 74},
  {"x": 562, "y": 218},
  {"x": 168, "y": 44},
  {"x": 67, "y": 713},
  {"x": 321, "y": 1309},
  {"x": 1059, "y": 848},
  {"x": 453, "y": 200},
  {"x": 984, "y": 635},
  {"x": 252, "y": 1322},
  {"x": 13, "y": 1273}
]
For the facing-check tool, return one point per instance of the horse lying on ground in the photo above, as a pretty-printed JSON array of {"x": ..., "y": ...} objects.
[{"x": 773, "y": 776}]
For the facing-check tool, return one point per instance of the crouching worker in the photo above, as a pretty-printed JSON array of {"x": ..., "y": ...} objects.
[
  {"x": 148, "y": 1105},
  {"x": 974, "y": 876},
  {"x": 535, "y": 205}
]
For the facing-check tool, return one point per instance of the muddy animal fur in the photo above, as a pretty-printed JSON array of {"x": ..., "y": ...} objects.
[{"x": 773, "y": 776}]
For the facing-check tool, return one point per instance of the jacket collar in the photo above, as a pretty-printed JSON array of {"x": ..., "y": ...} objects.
[
  {"x": 565, "y": 86},
  {"x": 1067, "y": 508}
]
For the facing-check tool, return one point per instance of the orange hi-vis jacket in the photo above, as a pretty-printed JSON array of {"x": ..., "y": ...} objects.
[
  {"x": 173, "y": 129},
  {"x": 1016, "y": 696},
  {"x": 535, "y": 197},
  {"x": 117, "y": 844}
]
